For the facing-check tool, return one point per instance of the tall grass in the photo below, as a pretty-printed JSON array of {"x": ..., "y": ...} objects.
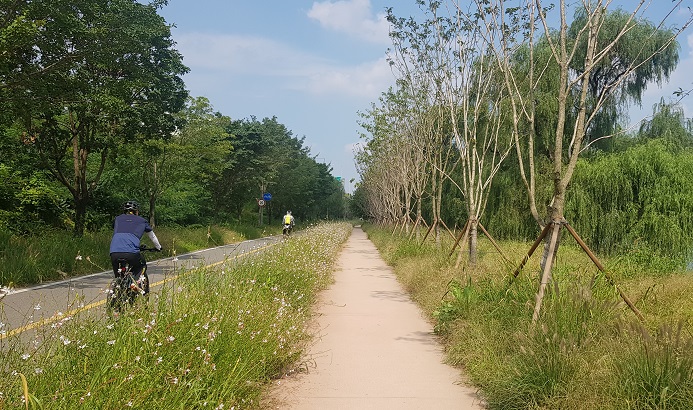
[
  {"x": 578, "y": 356},
  {"x": 655, "y": 372},
  {"x": 212, "y": 339}
]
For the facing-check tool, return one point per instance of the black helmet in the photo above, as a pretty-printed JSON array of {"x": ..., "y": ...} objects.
[{"x": 131, "y": 206}]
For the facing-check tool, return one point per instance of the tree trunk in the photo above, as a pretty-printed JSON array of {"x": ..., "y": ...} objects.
[
  {"x": 418, "y": 218},
  {"x": 437, "y": 206},
  {"x": 473, "y": 238},
  {"x": 463, "y": 242},
  {"x": 80, "y": 215},
  {"x": 152, "y": 210},
  {"x": 546, "y": 270}
]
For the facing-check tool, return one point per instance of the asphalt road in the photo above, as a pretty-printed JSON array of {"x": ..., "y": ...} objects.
[{"x": 26, "y": 310}]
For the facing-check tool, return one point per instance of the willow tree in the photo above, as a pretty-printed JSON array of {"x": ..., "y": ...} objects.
[
  {"x": 594, "y": 44},
  {"x": 618, "y": 81}
]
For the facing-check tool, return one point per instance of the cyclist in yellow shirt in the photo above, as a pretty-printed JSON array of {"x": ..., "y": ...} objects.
[{"x": 288, "y": 222}]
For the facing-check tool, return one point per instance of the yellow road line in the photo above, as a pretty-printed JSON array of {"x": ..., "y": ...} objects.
[{"x": 73, "y": 312}]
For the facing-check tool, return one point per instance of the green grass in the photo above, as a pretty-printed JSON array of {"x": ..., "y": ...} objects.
[
  {"x": 211, "y": 340},
  {"x": 655, "y": 371},
  {"x": 587, "y": 350}
]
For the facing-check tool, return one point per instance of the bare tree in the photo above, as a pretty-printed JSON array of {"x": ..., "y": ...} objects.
[
  {"x": 579, "y": 51},
  {"x": 446, "y": 56}
]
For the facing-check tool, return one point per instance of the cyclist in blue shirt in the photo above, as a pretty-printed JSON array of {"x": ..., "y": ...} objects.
[{"x": 128, "y": 229}]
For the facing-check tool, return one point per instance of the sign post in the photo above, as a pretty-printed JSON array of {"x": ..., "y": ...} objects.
[
  {"x": 266, "y": 197},
  {"x": 261, "y": 202}
]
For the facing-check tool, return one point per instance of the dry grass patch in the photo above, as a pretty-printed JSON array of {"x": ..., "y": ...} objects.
[{"x": 587, "y": 349}]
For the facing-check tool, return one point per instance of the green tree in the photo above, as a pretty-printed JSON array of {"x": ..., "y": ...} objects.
[
  {"x": 175, "y": 175},
  {"x": 618, "y": 80},
  {"x": 197, "y": 154},
  {"x": 267, "y": 157},
  {"x": 102, "y": 74},
  {"x": 669, "y": 123},
  {"x": 641, "y": 197},
  {"x": 30, "y": 199},
  {"x": 259, "y": 150}
]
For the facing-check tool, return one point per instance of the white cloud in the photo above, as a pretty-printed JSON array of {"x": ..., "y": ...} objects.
[
  {"x": 233, "y": 55},
  {"x": 241, "y": 54},
  {"x": 353, "y": 17},
  {"x": 364, "y": 80}
]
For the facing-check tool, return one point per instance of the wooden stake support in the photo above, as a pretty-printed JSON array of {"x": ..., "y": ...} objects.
[
  {"x": 549, "y": 265},
  {"x": 416, "y": 226},
  {"x": 534, "y": 247},
  {"x": 495, "y": 245},
  {"x": 546, "y": 274},
  {"x": 463, "y": 233},
  {"x": 599, "y": 266},
  {"x": 447, "y": 229},
  {"x": 430, "y": 228}
]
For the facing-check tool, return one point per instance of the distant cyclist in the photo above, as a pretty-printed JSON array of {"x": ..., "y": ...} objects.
[
  {"x": 289, "y": 219},
  {"x": 128, "y": 229}
]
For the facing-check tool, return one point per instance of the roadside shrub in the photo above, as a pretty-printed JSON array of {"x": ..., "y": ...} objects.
[
  {"x": 541, "y": 370},
  {"x": 456, "y": 304},
  {"x": 641, "y": 260},
  {"x": 544, "y": 363}
]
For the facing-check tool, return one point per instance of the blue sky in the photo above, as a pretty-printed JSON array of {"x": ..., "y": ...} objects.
[{"x": 312, "y": 64}]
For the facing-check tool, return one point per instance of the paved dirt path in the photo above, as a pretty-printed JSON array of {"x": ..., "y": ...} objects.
[{"x": 373, "y": 349}]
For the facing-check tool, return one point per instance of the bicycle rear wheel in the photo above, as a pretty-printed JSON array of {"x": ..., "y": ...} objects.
[
  {"x": 143, "y": 282},
  {"x": 117, "y": 294}
]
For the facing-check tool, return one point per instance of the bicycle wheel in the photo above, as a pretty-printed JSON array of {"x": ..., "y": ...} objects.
[
  {"x": 116, "y": 295},
  {"x": 143, "y": 282}
]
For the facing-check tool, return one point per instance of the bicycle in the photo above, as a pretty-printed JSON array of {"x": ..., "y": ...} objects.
[{"x": 124, "y": 288}]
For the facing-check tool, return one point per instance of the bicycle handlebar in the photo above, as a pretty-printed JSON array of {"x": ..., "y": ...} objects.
[{"x": 146, "y": 248}]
